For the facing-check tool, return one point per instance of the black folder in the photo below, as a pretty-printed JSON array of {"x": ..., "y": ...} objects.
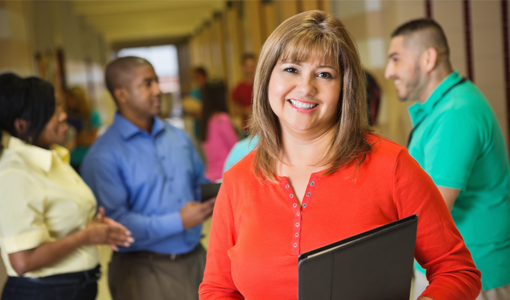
[
  {"x": 376, "y": 264},
  {"x": 209, "y": 190}
]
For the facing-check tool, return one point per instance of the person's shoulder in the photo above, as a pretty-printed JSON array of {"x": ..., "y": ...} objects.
[
  {"x": 223, "y": 116},
  {"x": 383, "y": 151},
  {"x": 241, "y": 169},
  {"x": 467, "y": 99},
  {"x": 220, "y": 118},
  {"x": 172, "y": 131},
  {"x": 383, "y": 145},
  {"x": 107, "y": 145},
  {"x": 10, "y": 161},
  {"x": 111, "y": 138}
]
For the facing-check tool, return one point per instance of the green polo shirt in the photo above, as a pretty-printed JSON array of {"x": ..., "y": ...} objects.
[{"x": 457, "y": 140}]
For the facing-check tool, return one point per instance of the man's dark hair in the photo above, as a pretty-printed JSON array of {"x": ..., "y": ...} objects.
[
  {"x": 201, "y": 71},
  {"x": 119, "y": 71},
  {"x": 247, "y": 56},
  {"x": 31, "y": 99},
  {"x": 435, "y": 36}
]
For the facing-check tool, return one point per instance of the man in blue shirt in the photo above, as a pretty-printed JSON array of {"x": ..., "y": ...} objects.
[{"x": 147, "y": 175}]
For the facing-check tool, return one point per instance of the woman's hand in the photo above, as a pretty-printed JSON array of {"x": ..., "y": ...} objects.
[{"x": 104, "y": 230}]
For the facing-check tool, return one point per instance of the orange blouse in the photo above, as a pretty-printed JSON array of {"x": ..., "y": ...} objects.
[{"x": 258, "y": 230}]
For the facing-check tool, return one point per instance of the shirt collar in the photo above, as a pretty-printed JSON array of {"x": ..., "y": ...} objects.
[
  {"x": 37, "y": 156},
  {"x": 419, "y": 110},
  {"x": 127, "y": 129}
]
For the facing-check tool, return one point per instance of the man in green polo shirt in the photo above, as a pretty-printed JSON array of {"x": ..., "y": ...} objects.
[{"x": 457, "y": 139}]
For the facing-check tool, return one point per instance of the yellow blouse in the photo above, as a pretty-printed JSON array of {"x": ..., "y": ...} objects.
[{"x": 42, "y": 199}]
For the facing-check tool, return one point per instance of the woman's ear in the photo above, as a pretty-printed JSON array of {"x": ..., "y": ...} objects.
[{"x": 21, "y": 126}]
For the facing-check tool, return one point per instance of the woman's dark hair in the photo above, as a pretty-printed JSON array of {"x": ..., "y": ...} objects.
[
  {"x": 31, "y": 99},
  {"x": 213, "y": 94}
]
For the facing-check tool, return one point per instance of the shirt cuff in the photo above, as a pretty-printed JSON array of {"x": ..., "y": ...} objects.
[
  {"x": 25, "y": 241},
  {"x": 173, "y": 223}
]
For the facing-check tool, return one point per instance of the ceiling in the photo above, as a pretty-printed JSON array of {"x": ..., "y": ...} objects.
[{"x": 138, "y": 21}]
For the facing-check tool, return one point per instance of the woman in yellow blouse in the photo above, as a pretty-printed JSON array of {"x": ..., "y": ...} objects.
[{"x": 48, "y": 233}]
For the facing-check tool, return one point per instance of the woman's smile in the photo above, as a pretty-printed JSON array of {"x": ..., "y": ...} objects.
[{"x": 304, "y": 107}]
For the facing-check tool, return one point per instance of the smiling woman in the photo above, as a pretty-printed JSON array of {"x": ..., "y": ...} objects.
[{"x": 318, "y": 175}]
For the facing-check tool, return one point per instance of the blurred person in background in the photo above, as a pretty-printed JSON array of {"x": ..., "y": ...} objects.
[
  {"x": 48, "y": 233},
  {"x": 217, "y": 133},
  {"x": 85, "y": 120},
  {"x": 373, "y": 98},
  {"x": 147, "y": 175},
  {"x": 457, "y": 140},
  {"x": 243, "y": 92},
  {"x": 319, "y": 175},
  {"x": 192, "y": 104}
]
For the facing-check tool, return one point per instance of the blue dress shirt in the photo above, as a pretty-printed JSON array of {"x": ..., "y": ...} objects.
[{"x": 143, "y": 180}]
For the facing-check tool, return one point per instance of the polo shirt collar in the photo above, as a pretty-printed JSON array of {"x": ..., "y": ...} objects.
[
  {"x": 127, "y": 129},
  {"x": 37, "y": 156},
  {"x": 419, "y": 111}
]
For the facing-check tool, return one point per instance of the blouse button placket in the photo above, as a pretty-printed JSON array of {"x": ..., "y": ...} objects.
[
  {"x": 296, "y": 231},
  {"x": 298, "y": 212}
]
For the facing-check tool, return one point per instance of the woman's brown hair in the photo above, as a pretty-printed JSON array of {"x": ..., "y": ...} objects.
[{"x": 312, "y": 34}]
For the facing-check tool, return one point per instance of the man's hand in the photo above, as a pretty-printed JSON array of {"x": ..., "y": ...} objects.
[{"x": 194, "y": 213}]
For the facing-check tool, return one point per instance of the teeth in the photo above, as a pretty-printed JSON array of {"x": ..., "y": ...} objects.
[{"x": 302, "y": 105}]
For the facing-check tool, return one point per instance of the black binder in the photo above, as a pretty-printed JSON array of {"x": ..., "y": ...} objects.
[
  {"x": 376, "y": 264},
  {"x": 209, "y": 190}
]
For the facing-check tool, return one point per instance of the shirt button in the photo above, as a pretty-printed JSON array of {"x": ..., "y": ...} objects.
[
  {"x": 294, "y": 205},
  {"x": 297, "y": 224},
  {"x": 296, "y": 235},
  {"x": 295, "y": 245},
  {"x": 287, "y": 186},
  {"x": 308, "y": 194},
  {"x": 298, "y": 214},
  {"x": 304, "y": 205},
  {"x": 312, "y": 183},
  {"x": 291, "y": 195}
]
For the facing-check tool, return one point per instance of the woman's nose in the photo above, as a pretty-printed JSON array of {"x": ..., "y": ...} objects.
[{"x": 306, "y": 85}]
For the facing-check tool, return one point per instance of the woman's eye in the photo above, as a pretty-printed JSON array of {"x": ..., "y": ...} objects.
[
  {"x": 290, "y": 70},
  {"x": 325, "y": 75}
]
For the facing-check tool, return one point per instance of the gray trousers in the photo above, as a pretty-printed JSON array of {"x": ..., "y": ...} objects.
[
  {"x": 136, "y": 277},
  {"x": 421, "y": 283}
]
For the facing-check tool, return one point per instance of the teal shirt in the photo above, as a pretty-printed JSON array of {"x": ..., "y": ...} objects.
[
  {"x": 79, "y": 152},
  {"x": 239, "y": 151},
  {"x": 457, "y": 140}
]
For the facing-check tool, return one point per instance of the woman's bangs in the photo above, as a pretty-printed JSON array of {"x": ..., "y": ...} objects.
[{"x": 303, "y": 47}]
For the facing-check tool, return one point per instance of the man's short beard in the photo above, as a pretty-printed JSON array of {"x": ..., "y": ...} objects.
[{"x": 413, "y": 88}]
